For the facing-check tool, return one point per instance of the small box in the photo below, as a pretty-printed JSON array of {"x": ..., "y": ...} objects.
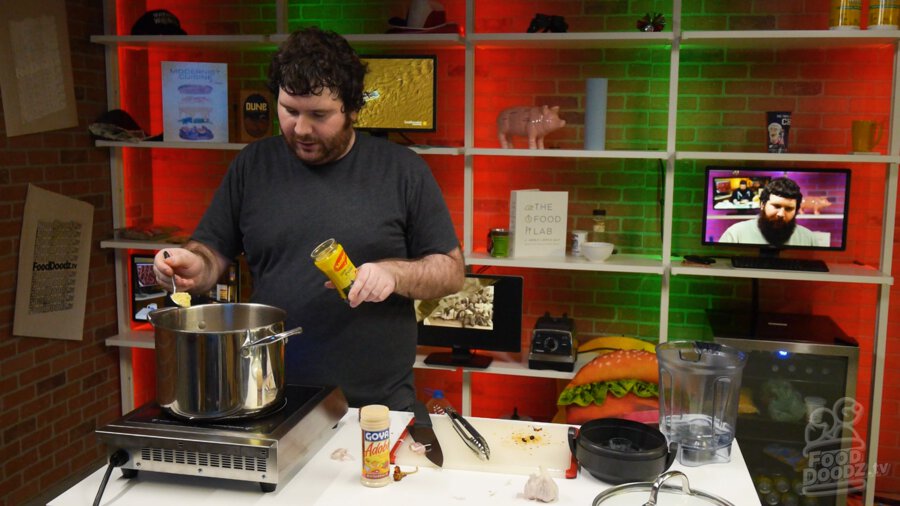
[{"x": 254, "y": 115}]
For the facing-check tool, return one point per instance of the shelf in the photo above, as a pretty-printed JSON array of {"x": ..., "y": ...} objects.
[
  {"x": 137, "y": 244},
  {"x": 639, "y": 264},
  {"x": 182, "y": 41},
  {"x": 393, "y": 40},
  {"x": 437, "y": 150},
  {"x": 568, "y": 153},
  {"x": 785, "y": 157},
  {"x": 445, "y": 40},
  {"x": 838, "y": 273},
  {"x": 764, "y": 39},
  {"x": 582, "y": 40},
  {"x": 552, "y": 153},
  {"x": 504, "y": 366},
  {"x": 789, "y": 39},
  {"x": 235, "y": 146},
  {"x": 133, "y": 339},
  {"x": 225, "y": 146}
]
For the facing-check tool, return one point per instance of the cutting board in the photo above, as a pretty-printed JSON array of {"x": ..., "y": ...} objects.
[{"x": 517, "y": 447}]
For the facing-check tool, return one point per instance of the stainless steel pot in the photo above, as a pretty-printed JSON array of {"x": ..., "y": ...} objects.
[{"x": 218, "y": 361}]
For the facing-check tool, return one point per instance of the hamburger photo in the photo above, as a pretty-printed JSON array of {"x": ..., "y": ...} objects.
[{"x": 618, "y": 384}]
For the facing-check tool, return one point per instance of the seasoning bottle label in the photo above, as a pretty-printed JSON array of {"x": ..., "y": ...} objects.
[
  {"x": 376, "y": 454},
  {"x": 331, "y": 259}
]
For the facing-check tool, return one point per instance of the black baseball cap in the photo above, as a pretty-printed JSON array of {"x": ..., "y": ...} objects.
[
  {"x": 157, "y": 22},
  {"x": 118, "y": 125}
]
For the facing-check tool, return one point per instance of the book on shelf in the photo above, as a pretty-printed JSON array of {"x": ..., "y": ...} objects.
[
  {"x": 537, "y": 223},
  {"x": 195, "y": 101},
  {"x": 255, "y": 115}
]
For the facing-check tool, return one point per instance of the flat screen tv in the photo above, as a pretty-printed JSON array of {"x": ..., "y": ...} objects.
[
  {"x": 146, "y": 295},
  {"x": 805, "y": 208},
  {"x": 400, "y": 94},
  {"x": 485, "y": 315}
]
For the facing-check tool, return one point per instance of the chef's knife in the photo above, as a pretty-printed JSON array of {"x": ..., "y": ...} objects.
[{"x": 423, "y": 433}]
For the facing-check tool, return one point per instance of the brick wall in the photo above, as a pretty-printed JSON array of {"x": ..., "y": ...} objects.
[
  {"x": 53, "y": 393},
  {"x": 722, "y": 94}
]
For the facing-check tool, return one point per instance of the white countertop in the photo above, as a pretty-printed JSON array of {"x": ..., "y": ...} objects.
[{"x": 324, "y": 481}]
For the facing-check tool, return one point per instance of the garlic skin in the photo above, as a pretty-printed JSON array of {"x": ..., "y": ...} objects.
[{"x": 541, "y": 487}]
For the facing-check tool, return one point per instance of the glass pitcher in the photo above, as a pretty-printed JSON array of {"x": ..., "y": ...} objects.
[{"x": 699, "y": 391}]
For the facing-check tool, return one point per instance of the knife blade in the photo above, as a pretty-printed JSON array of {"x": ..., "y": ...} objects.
[{"x": 423, "y": 433}]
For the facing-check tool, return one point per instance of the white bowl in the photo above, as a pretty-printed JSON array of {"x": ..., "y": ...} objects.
[{"x": 597, "y": 251}]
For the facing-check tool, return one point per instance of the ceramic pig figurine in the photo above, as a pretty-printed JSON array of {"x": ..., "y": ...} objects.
[
  {"x": 814, "y": 204},
  {"x": 531, "y": 122}
]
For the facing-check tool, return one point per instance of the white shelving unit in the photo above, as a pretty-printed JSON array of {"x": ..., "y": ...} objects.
[{"x": 665, "y": 266}]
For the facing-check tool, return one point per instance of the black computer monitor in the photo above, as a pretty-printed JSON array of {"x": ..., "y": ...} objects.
[
  {"x": 733, "y": 213},
  {"x": 485, "y": 315},
  {"x": 146, "y": 295},
  {"x": 400, "y": 94}
]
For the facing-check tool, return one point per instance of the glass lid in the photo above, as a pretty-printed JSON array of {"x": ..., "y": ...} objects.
[{"x": 650, "y": 494}]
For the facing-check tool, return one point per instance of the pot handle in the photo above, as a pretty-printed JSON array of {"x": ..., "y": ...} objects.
[
  {"x": 573, "y": 435},
  {"x": 270, "y": 339},
  {"x": 156, "y": 313}
]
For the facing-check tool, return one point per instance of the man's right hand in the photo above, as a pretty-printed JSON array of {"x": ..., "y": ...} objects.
[{"x": 189, "y": 266}]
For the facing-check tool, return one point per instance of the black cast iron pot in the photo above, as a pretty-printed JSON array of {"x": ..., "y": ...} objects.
[{"x": 617, "y": 451}]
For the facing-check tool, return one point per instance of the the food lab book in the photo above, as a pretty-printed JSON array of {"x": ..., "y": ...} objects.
[
  {"x": 537, "y": 223},
  {"x": 195, "y": 101}
]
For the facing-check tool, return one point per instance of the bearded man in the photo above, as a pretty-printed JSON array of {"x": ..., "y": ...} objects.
[
  {"x": 776, "y": 224},
  {"x": 320, "y": 179}
]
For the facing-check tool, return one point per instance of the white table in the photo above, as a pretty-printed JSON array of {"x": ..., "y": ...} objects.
[{"x": 324, "y": 481}]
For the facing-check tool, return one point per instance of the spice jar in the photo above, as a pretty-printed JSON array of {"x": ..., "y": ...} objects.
[
  {"x": 884, "y": 15},
  {"x": 374, "y": 420},
  {"x": 844, "y": 14},
  {"x": 332, "y": 260},
  {"x": 599, "y": 226},
  {"x": 498, "y": 242}
]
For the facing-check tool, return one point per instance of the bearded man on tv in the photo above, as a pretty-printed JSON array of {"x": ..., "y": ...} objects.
[{"x": 776, "y": 224}]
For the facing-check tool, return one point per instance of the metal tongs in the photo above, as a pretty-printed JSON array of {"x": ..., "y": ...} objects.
[{"x": 469, "y": 435}]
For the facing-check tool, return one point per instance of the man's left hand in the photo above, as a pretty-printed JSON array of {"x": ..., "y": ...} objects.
[{"x": 373, "y": 283}]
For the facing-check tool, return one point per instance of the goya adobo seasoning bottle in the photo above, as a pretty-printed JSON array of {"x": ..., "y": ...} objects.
[{"x": 374, "y": 420}]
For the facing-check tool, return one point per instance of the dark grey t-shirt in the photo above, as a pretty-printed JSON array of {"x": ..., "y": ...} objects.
[{"x": 380, "y": 201}]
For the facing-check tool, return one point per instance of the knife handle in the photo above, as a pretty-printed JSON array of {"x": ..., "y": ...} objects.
[{"x": 420, "y": 412}]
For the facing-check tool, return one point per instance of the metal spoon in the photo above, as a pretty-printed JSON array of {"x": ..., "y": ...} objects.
[{"x": 183, "y": 299}]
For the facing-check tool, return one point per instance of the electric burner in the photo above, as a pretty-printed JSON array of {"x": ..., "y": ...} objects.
[{"x": 267, "y": 450}]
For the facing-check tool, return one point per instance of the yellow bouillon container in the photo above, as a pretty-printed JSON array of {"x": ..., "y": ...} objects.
[
  {"x": 331, "y": 259},
  {"x": 884, "y": 14},
  {"x": 844, "y": 14}
]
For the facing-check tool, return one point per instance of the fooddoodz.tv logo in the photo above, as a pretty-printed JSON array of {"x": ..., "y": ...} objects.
[{"x": 835, "y": 452}]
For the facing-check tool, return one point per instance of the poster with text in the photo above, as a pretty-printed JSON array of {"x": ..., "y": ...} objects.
[
  {"x": 54, "y": 259},
  {"x": 36, "y": 81},
  {"x": 195, "y": 101}
]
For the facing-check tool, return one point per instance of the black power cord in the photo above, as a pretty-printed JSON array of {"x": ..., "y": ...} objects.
[{"x": 117, "y": 459}]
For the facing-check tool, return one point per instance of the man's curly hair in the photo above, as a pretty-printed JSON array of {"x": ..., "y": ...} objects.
[{"x": 313, "y": 61}]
